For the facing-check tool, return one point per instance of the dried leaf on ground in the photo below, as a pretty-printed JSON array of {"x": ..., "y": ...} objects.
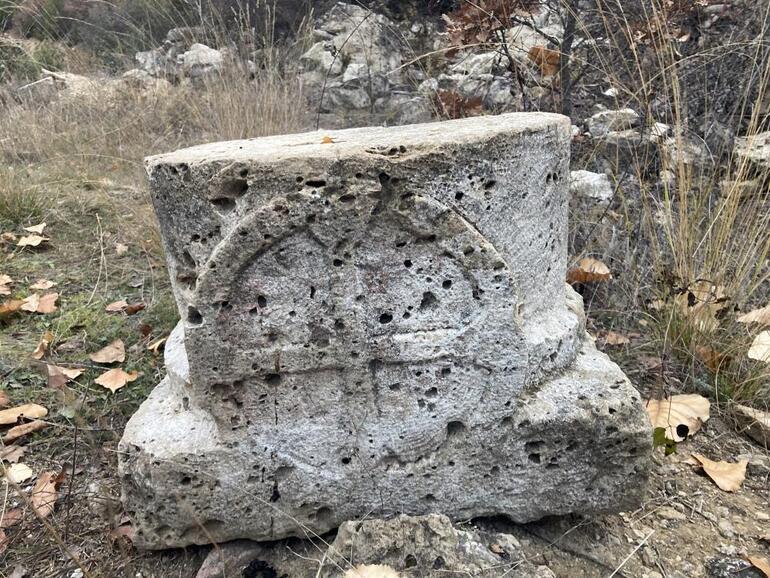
[
  {"x": 36, "y": 304},
  {"x": 5, "y": 280},
  {"x": 546, "y": 59},
  {"x": 28, "y": 410},
  {"x": 760, "y": 316},
  {"x": 44, "y": 493},
  {"x": 589, "y": 270},
  {"x": 700, "y": 304},
  {"x": 38, "y": 229},
  {"x": 12, "y": 454},
  {"x": 451, "y": 104},
  {"x": 31, "y": 241},
  {"x": 18, "y": 473},
  {"x": 42, "y": 285},
  {"x": 8, "y": 237},
  {"x": 11, "y": 517},
  {"x": 761, "y": 563},
  {"x": 58, "y": 376},
  {"x": 372, "y": 571},
  {"x": 121, "y": 249},
  {"x": 711, "y": 358},
  {"x": 754, "y": 423},
  {"x": 9, "y": 307},
  {"x": 327, "y": 140},
  {"x": 116, "y": 306},
  {"x": 680, "y": 415},
  {"x": 651, "y": 362},
  {"x": 19, "y": 431},
  {"x": 116, "y": 378},
  {"x": 728, "y": 476},
  {"x": 760, "y": 348},
  {"x": 614, "y": 338},
  {"x": 43, "y": 345},
  {"x": 4, "y": 400},
  {"x": 155, "y": 346},
  {"x": 3, "y": 541},
  {"x": 114, "y": 352},
  {"x": 135, "y": 308}
]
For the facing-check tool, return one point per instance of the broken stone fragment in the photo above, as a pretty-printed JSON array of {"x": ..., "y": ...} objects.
[{"x": 375, "y": 322}]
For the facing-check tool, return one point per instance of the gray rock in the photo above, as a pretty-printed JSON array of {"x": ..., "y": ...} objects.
[
  {"x": 319, "y": 57},
  {"x": 754, "y": 150},
  {"x": 366, "y": 322},
  {"x": 590, "y": 196},
  {"x": 156, "y": 62},
  {"x": 200, "y": 60},
  {"x": 404, "y": 108},
  {"x": 607, "y": 121}
]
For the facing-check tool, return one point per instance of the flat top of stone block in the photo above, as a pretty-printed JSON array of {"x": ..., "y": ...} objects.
[{"x": 349, "y": 142}]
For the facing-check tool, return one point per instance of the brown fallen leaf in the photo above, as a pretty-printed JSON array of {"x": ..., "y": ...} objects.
[
  {"x": 36, "y": 304},
  {"x": 43, "y": 345},
  {"x": 12, "y": 454},
  {"x": 9, "y": 307},
  {"x": 18, "y": 473},
  {"x": 700, "y": 303},
  {"x": 58, "y": 376},
  {"x": 19, "y": 431},
  {"x": 44, "y": 493},
  {"x": 761, "y": 563},
  {"x": 11, "y": 518},
  {"x": 155, "y": 346},
  {"x": 31, "y": 241},
  {"x": 327, "y": 140},
  {"x": 728, "y": 476},
  {"x": 114, "y": 352},
  {"x": 31, "y": 303},
  {"x": 5, "y": 280},
  {"x": 28, "y": 410},
  {"x": 760, "y": 348},
  {"x": 135, "y": 308},
  {"x": 116, "y": 378},
  {"x": 651, "y": 362},
  {"x": 613, "y": 338},
  {"x": 3, "y": 541},
  {"x": 589, "y": 270},
  {"x": 42, "y": 285},
  {"x": 116, "y": 306},
  {"x": 38, "y": 229},
  {"x": 680, "y": 415},
  {"x": 546, "y": 59},
  {"x": 714, "y": 360}
]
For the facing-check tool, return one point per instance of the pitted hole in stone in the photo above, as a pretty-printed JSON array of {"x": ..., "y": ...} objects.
[
  {"x": 194, "y": 316},
  {"x": 338, "y": 262},
  {"x": 347, "y": 198},
  {"x": 315, "y": 183},
  {"x": 429, "y": 498},
  {"x": 523, "y": 423},
  {"x": 345, "y": 460},
  {"x": 322, "y": 515},
  {"x": 430, "y": 238},
  {"x": 447, "y": 284},
  {"x": 186, "y": 481},
  {"x": 262, "y": 301},
  {"x": 407, "y": 263},
  {"x": 224, "y": 204},
  {"x": 394, "y": 386},
  {"x": 432, "y": 392},
  {"x": 454, "y": 428},
  {"x": 410, "y": 561},
  {"x": 233, "y": 188},
  {"x": 489, "y": 184},
  {"x": 534, "y": 458},
  {"x": 459, "y": 196},
  {"x": 386, "y": 318},
  {"x": 272, "y": 378},
  {"x": 406, "y": 315},
  {"x": 534, "y": 446},
  {"x": 312, "y": 292},
  {"x": 429, "y": 301},
  {"x": 445, "y": 371},
  {"x": 439, "y": 563}
]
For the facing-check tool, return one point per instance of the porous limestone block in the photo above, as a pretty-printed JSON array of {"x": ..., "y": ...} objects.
[{"x": 368, "y": 316}]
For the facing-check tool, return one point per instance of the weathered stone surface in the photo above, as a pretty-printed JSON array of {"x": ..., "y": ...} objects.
[{"x": 375, "y": 325}]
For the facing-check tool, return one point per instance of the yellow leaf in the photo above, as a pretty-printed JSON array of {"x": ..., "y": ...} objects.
[
  {"x": 372, "y": 571},
  {"x": 28, "y": 410},
  {"x": 31, "y": 241},
  {"x": 155, "y": 346},
  {"x": 327, "y": 140},
  {"x": 18, "y": 473},
  {"x": 613, "y": 338},
  {"x": 548, "y": 60},
  {"x": 36, "y": 228},
  {"x": 761, "y": 563},
  {"x": 760, "y": 349},
  {"x": 680, "y": 415},
  {"x": 589, "y": 270},
  {"x": 42, "y": 285},
  {"x": 116, "y": 378},
  {"x": 44, "y": 494},
  {"x": 728, "y": 476},
  {"x": 760, "y": 316},
  {"x": 712, "y": 358},
  {"x": 21, "y": 430},
  {"x": 116, "y": 306},
  {"x": 9, "y": 307},
  {"x": 114, "y": 352},
  {"x": 42, "y": 347}
]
